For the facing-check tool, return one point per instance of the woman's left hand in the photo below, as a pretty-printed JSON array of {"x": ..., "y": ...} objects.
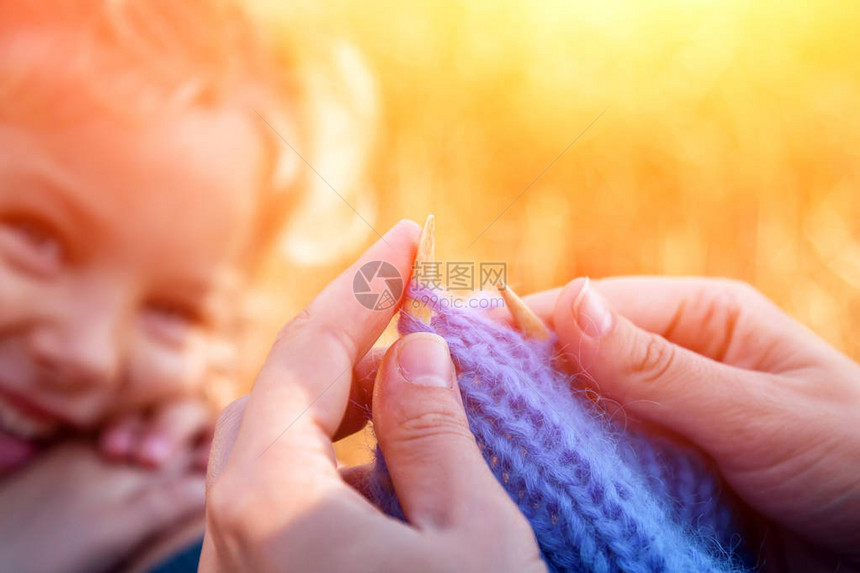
[{"x": 275, "y": 499}]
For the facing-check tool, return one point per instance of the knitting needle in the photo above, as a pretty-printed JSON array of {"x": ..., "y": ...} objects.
[
  {"x": 426, "y": 255},
  {"x": 524, "y": 318}
]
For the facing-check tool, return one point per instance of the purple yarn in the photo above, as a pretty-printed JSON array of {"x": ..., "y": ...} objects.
[{"x": 598, "y": 497}]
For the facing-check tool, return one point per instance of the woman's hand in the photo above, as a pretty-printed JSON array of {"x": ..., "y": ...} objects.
[
  {"x": 715, "y": 361},
  {"x": 276, "y": 501},
  {"x": 71, "y": 511}
]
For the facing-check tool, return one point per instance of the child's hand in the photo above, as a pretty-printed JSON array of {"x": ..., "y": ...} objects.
[
  {"x": 153, "y": 440},
  {"x": 73, "y": 511}
]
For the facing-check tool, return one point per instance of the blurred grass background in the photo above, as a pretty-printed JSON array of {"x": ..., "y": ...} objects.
[{"x": 729, "y": 146}]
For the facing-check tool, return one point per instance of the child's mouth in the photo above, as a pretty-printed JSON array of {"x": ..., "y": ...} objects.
[{"x": 21, "y": 433}]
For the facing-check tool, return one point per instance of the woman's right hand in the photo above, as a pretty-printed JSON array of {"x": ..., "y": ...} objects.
[
  {"x": 775, "y": 406},
  {"x": 70, "y": 511}
]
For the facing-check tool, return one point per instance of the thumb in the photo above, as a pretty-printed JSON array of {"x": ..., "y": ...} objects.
[
  {"x": 651, "y": 377},
  {"x": 437, "y": 470}
]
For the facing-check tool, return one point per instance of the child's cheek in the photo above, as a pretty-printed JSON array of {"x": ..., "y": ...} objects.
[
  {"x": 19, "y": 298},
  {"x": 158, "y": 372}
]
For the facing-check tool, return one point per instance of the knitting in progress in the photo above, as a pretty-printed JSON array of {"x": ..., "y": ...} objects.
[{"x": 599, "y": 497}]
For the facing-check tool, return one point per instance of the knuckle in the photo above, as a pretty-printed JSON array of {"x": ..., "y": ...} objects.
[
  {"x": 653, "y": 360},
  {"x": 441, "y": 423},
  {"x": 342, "y": 338},
  {"x": 738, "y": 291},
  {"x": 295, "y": 325},
  {"x": 306, "y": 326},
  {"x": 720, "y": 308}
]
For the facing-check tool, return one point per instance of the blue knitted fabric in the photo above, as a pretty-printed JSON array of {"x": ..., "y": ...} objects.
[{"x": 599, "y": 497}]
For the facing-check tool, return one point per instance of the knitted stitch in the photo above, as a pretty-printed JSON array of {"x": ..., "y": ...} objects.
[{"x": 599, "y": 497}]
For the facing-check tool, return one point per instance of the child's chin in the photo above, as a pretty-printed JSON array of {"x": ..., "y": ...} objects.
[{"x": 15, "y": 452}]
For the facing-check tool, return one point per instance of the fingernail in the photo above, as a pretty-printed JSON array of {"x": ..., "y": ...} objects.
[
  {"x": 424, "y": 360},
  {"x": 592, "y": 311},
  {"x": 155, "y": 450}
]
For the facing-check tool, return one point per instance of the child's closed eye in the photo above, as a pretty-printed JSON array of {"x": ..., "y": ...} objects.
[
  {"x": 173, "y": 321},
  {"x": 32, "y": 245}
]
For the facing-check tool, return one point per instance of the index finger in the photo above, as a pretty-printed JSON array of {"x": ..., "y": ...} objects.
[
  {"x": 301, "y": 392},
  {"x": 704, "y": 315}
]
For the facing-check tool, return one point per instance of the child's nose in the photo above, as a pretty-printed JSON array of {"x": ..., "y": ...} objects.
[{"x": 80, "y": 353}]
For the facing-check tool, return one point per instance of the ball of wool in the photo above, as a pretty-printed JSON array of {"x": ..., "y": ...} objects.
[{"x": 599, "y": 496}]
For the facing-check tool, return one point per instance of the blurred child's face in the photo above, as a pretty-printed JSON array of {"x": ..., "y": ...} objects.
[{"x": 120, "y": 252}]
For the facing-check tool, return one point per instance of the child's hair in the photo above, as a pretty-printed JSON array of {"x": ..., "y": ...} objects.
[{"x": 71, "y": 60}]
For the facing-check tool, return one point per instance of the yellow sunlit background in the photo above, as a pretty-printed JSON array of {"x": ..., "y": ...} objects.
[{"x": 728, "y": 145}]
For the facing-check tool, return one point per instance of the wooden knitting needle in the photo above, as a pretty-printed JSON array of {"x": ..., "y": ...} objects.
[
  {"x": 524, "y": 318},
  {"x": 426, "y": 254}
]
